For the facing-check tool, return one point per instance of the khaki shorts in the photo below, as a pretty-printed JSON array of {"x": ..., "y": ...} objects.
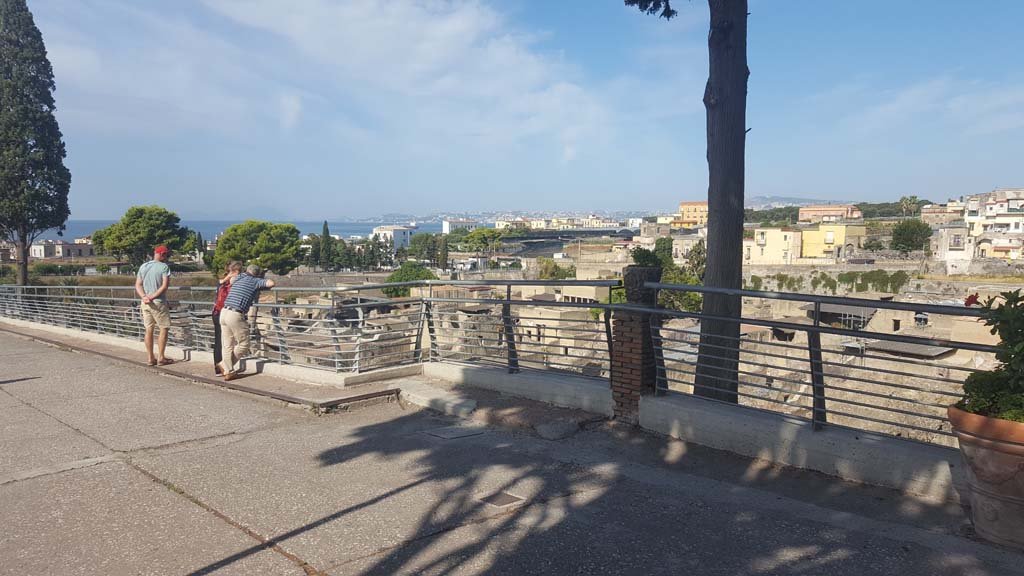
[{"x": 156, "y": 313}]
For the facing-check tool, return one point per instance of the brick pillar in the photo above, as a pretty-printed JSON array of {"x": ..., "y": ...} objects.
[{"x": 634, "y": 372}]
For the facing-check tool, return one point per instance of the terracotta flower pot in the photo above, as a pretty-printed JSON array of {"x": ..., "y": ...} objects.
[{"x": 993, "y": 452}]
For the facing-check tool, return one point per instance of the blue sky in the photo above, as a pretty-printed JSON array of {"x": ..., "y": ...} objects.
[{"x": 224, "y": 109}]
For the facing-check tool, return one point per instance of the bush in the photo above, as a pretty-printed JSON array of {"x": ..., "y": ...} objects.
[
  {"x": 910, "y": 235},
  {"x": 407, "y": 272},
  {"x": 645, "y": 257}
]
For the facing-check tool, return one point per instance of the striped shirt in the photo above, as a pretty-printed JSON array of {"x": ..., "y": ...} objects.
[{"x": 243, "y": 292}]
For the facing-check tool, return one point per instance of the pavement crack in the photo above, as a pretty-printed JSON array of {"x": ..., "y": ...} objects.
[{"x": 263, "y": 543}]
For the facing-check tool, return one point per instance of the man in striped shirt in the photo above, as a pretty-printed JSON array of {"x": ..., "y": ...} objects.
[{"x": 234, "y": 325}]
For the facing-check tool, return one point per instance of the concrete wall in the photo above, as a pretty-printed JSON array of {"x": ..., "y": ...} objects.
[
  {"x": 588, "y": 394},
  {"x": 932, "y": 473}
]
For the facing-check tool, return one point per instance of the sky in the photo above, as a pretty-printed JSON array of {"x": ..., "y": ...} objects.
[{"x": 222, "y": 109}]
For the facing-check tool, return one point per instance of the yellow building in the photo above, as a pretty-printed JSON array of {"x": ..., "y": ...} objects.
[
  {"x": 772, "y": 246},
  {"x": 691, "y": 215},
  {"x": 832, "y": 241}
]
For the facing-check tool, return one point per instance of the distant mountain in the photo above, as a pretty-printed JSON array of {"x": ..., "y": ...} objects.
[{"x": 766, "y": 202}]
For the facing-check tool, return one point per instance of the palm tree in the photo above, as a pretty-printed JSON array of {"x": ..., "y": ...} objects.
[{"x": 908, "y": 204}]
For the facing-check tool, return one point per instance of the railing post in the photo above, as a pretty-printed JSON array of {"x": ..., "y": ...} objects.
[
  {"x": 819, "y": 413},
  {"x": 418, "y": 347},
  {"x": 633, "y": 367},
  {"x": 336, "y": 341},
  {"x": 282, "y": 344},
  {"x": 509, "y": 329}
]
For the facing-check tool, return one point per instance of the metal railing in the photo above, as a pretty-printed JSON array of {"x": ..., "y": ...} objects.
[
  {"x": 357, "y": 329},
  {"x": 882, "y": 366}
]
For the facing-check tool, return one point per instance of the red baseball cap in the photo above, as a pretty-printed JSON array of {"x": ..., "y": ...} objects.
[{"x": 161, "y": 250}]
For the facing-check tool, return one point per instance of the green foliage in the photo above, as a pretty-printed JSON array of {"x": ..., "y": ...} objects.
[
  {"x": 756, "y": 282},
  {"x": 427, "y": 247},
  {"x": 663, "y": 250},
  {"x": 887, "y": 209},
  {"x": 616, "y": 295},
  {"x": 677, "y": 299},
  {"x": 482, "y": 240},
  {"x": 313, "y": 252},
  {"x": 911, "y": 235},
  {"x": 697, "y": 260},
  {"x": 442, "y": 253},
  {"x": 662, "y": 8},
  {"x": 825, "y": 281},
  {"x": 103, "y": 269},
  {"x": 1000, "y": 392},
  {"x": 910, "y": 205},
  {"x": 141, "y": 229},
  {"x": 874, "y": 245},
  {"x": 326, "y": 252},
  {"x": 781, "y": 216},
  {"x": 34, "y": 182},
  {"x": 898, "y": 280},
  {"x": 645, "y": 257},
  {"x": 274, "y": 247},
  {"x": 549, "y": 270},
  {"x": 407, "y": 272},
  {"x": 49, "y": 269}
]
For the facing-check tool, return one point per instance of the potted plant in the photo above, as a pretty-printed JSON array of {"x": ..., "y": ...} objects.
[{"x": 989, "y": 424}]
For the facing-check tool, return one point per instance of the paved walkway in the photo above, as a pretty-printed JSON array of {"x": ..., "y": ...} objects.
[{"x": 110, "y": 468}]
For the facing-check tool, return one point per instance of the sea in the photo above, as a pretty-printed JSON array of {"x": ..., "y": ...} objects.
[{"x": 210, "y": 229}]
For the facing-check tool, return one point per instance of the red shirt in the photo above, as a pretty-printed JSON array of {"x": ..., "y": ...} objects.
[{"x": 222, "y": 295}]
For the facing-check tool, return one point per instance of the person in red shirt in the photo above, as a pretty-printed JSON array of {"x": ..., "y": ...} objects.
[{"x": 231, "y": 271}]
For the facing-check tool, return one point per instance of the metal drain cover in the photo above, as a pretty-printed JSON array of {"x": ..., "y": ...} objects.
[
  {"x": 452, "y": 432},
  {"x": 501, "y": 499}
]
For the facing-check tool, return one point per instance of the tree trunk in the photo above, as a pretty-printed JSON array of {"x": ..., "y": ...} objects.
[
  {"x": 725, "y": 99},
  {"x": 23, "y": 249}
]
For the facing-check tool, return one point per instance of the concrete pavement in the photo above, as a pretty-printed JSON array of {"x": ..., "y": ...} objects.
[{"x": 109, "y": 468}]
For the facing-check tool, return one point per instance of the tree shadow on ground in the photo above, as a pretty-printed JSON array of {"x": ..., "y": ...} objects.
[{"x": 631, "y": 504}]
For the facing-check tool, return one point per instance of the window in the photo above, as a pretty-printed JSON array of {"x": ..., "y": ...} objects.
[
  {"x": 747, "y": 256},
  {"x": 762, "y": 251},
  {"x": 830, "y": 237},
  {"x": 785, "y": 237}
]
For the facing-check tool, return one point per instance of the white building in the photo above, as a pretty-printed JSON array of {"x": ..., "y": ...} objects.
[
  {"x": 60, "y": 249},
  {"x": 76, "y": 250},
  {"x": 399, "y": 236},
  {"x": 449, "y": 226}
]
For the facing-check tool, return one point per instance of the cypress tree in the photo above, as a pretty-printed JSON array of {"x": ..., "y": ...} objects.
[
  {"x": 34, "y": 182},
  {"x": 326, "y": 248}
]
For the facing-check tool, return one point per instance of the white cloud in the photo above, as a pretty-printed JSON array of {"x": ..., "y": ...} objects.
[
  {"x": 960, "y": 105},
  {"x": 291, "y": 110},
  {"x": 451, "y": 70}
]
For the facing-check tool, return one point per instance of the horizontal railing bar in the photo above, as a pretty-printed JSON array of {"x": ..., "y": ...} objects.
[{"x": 822, "y": 299}]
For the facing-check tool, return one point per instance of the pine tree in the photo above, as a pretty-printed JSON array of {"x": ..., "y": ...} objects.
[{"x": 34, "y": 182}]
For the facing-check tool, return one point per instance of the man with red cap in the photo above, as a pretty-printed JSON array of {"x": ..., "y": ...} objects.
[{"x": 151, "y": 286}]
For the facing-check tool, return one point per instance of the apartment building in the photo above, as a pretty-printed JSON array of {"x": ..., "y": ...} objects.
[
  {"x": 832, "y": 240},
  {"x": 773, "y": 246},
  {"x": 829, "y": 213},
  {"x": 399, "y": 236},
  {"x": 691, "y": 215},
  {"x": 449, "y": 226},
  {"x": 514, "y": 224}
]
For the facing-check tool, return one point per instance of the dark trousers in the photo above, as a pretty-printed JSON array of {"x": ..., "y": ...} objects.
[{"x": 217, "y": 356}]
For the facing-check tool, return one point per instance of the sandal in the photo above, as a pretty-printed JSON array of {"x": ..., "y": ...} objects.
[{"x": 165, "y": 362}]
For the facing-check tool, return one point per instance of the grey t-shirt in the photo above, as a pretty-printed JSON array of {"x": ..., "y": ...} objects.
[{"x": 153, "y": 274}]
